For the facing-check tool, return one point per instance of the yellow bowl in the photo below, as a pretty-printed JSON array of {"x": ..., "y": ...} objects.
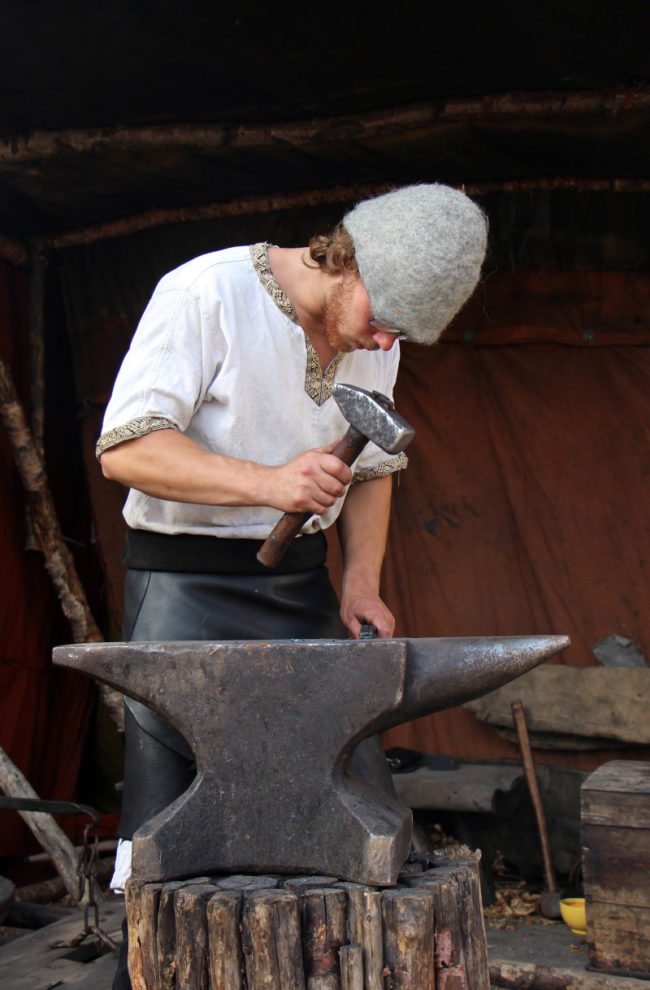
[{"x": 574, "y": 915}]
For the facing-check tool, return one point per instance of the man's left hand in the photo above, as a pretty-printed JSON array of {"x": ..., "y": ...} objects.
[{"x": 365, "y": 607}]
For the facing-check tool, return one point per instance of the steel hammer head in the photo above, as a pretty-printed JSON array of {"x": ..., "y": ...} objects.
[{"x": 374, "y": 416}]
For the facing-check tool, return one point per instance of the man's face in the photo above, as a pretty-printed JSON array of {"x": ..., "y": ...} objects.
[{"x": 347, "y": 312}]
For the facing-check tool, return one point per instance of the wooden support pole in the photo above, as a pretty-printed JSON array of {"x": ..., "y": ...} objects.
[
  {"x": 364, "y": 927},
  {"x": 351, "y": 957},
  {"x": 272, "y": 940},
  {"x": 36, "y": 367},
  {"x": 58, "y": 559},
  {"x": 323, "y": 926},
  {"x": 409, "y": 938},
  {"x": 192, "y": 965},
  {"x": 37, "y": 345},
  {"x": 224, "y": 925},
  {"x": 52, "y": 838}
]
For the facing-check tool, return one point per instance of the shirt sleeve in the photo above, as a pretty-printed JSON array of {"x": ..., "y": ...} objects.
[{"x": 175, "y": 354}]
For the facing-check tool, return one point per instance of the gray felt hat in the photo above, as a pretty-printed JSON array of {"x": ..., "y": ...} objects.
[{"x": 419, "y": 251}]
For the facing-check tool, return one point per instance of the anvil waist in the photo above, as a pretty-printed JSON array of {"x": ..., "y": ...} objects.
[
  {"x": 203, "y": 588},
  {"x": 191, "y": 554}
]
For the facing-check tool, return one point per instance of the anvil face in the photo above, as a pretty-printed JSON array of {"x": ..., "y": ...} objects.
[{"x": 273, "y": 727}]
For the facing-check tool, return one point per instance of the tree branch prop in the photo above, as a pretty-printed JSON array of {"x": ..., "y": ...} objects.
[
  {"x": 51, "y": 837},
  {"x": 58, "y": 559}
]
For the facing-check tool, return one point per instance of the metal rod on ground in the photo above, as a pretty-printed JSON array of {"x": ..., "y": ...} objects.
[
  {"x": 59, "y": 562},
  {"x": 106, "y": 845},
  {"x": 550, "y": 901}
]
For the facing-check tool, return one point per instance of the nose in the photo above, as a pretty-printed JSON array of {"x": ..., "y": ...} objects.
[{"x": 383, "y": 339}]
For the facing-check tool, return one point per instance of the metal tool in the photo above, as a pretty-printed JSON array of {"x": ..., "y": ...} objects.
[
  {"x": 550, "y": 899},
  {"x": 89, "y": 889},
  {"x": 273, "y": 726},
  {"x": 371, "y": 416}
]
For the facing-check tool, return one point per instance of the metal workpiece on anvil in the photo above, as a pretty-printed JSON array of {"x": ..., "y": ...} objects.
[{"x": 274, "y": 725}]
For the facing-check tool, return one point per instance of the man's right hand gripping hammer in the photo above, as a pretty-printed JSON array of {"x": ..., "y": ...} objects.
[{"x": 371, "y": 416}]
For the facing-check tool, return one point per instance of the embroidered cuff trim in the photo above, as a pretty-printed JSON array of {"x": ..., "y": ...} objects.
[
  {"x": 131, "y": 430},
  {"x": 382, "y": 470}
]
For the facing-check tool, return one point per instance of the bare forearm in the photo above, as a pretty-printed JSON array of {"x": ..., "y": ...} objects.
[
  {"x": 363, "y": 529},
  {"x": 169, "y": 465}
]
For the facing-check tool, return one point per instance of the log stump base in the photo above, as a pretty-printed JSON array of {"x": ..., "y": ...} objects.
[{"x": 311, "y": 933}]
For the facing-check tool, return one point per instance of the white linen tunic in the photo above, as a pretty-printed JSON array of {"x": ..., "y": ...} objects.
[{"x": 220, "y": 356}]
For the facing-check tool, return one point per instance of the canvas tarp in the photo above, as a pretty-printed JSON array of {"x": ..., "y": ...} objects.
[{"x": 523, "y": 509}]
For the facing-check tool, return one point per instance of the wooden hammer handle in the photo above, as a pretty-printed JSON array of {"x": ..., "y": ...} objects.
[
  {"x": 519, "y": 717},
  {"x": 289, "y": 525}
]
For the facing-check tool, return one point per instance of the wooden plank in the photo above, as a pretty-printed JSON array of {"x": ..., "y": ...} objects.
[
  {"x": 619, "y": 938},
  {"x": 617, "y": 794},
  {"x": 578, "y": 702},
  {"x": 616, "y": 864},
  {"x": 615, "y": 809},
  {"x": 620, "y": 776},
  {"x": 36, "y": 961}
]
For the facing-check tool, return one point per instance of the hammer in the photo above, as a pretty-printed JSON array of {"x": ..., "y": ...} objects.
[{"x": 371, "y": 416}]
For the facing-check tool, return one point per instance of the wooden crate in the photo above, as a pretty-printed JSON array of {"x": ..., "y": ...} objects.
[{"x": 615, "y": 829}]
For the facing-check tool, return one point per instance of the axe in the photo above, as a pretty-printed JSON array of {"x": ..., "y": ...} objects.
[{"x": 371, "y": 416}]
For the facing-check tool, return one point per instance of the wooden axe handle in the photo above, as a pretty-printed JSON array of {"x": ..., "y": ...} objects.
[{"x": 287, "y": 528}]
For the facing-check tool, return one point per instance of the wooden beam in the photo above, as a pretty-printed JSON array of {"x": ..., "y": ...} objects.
[
  {"x": 317, "y": 197},
  {"x": 364, "y": 126}
]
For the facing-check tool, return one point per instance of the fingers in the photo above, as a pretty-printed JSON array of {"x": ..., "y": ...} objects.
[
  {"x": 312, "y": 482},
  {"x": 368, "y": 610}
]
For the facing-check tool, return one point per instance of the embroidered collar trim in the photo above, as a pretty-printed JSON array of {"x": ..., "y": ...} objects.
[
  {"x": 318, "y": 385},
  {"x": 260, "y": 259}
]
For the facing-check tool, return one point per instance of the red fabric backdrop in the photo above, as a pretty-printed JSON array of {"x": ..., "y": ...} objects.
[{"x": 44, "y": 711}]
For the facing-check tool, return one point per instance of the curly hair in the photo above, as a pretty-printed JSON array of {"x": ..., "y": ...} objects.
[{"x": 334, "y": 252}]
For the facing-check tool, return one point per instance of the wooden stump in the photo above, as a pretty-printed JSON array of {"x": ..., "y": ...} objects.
[{"x": 311, "y": 933}]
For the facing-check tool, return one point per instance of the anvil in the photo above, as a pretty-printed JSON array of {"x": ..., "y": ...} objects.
[{"x": 273, "y": 726}]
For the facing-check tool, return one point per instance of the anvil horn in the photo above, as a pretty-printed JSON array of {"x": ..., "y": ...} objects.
[
  {"x": 274, "y": 726},
  {"x": 443, "y": 673}
]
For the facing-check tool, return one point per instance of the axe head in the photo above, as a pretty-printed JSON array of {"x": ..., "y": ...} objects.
[{"x": 374, "y": 416}]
